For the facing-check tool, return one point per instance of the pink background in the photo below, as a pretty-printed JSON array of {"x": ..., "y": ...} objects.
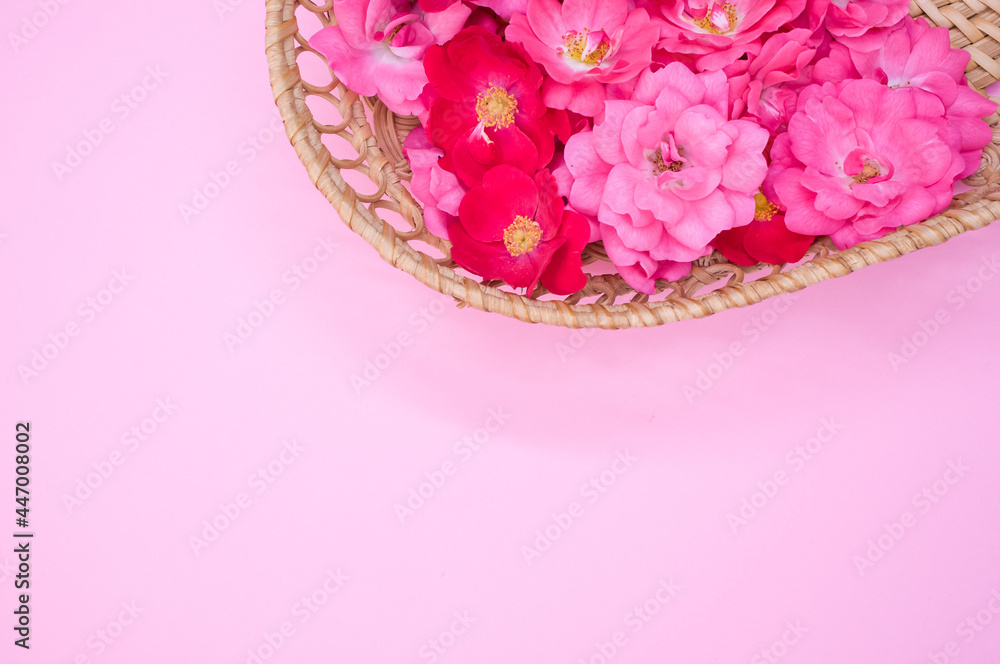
[{"x": 626, "y": 456}]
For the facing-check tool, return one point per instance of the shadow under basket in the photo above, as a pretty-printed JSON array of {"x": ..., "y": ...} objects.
[{"x": 391, "y": 220}]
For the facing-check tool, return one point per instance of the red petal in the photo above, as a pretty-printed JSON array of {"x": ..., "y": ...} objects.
[
  {"x": 549, "y": 213},
  {"x": 449, "y": 120},
  {"x": 473, "y": 155},
  {"x": 487, "y": 210},
  {"x": 473, "y": 61},
  {"x": 730, "y": 243},
  {"x": 491, "y": 260},
  {"x": 772, "y": 242},
  {"x": 564, "y": 274},
  {"x": 540, "y": 137}
]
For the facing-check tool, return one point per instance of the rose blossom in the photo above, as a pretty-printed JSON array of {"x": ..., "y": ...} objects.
[
  {"x": 487, "y": 108},
  {"x": 717, "y": 32},
  {"x": 765, "y": 86},
  {"x": 919, "y": 59},
  {"x": 377, "y": 46},
  {"x": 666, "y": 171},
  {"x": 515, "y": 228},
  {"x": 583, "y": 44},
  {"x": 859, "y": 160},
  {"x": 858, "y": 23}
]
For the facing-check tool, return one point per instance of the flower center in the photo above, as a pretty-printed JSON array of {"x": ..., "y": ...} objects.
[
  {"x": 496, "y": 108},
  {"x": 661, "y": 165},
  {"x": 765, "y": 209},
  {"x": 522, "y": 236},
  {"x": 718, "y": 20},
  {"x": 393, "y": 26},
  {"x": 588, "y": 47},
  {"x": 871, "y": 170}
]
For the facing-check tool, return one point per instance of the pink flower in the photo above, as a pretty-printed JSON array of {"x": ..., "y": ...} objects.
[
  {"x": 583, "y": 44},
  {"x": 717, "y": 32},
  {"x": 859, "y": 160},
  {"x": 438, "y": 191},
  {"x": 919, "y": 59},
  {"x": 665, "y": 172},
  {"x": 859, "y": 23},
  {"x": 765, "y": 86},
  {"x": 377, "y": 46}
]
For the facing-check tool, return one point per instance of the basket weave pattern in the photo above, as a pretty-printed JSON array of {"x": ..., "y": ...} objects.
[{"x": 390, "y": 219}]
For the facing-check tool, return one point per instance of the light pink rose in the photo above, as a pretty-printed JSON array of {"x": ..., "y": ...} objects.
[
  {"x": 919, "y": 59},
  {"x": 859, "y": 160},
  {"x": 583, "y": 44},
  {"x": 665, "y": 172},
  {"x": 377, "y": 46}
]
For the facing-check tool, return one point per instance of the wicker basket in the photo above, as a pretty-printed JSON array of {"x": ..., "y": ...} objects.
[{"x": 390, "y": 219}]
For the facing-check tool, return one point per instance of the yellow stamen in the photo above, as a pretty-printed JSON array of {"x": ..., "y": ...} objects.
[
  {"x": 870, "y": 170},
  {"x": 522, "y": 236},
  {"x": 765, "y": 209},
  {"x": 496, "y": 108},
  {"x": 717, "y": 27},
  {"x": 660, "y": 165},
  {"x": 576, "y": 44}
]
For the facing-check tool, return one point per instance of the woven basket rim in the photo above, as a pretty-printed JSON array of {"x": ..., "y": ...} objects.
[{"x": 289, "y": 96}]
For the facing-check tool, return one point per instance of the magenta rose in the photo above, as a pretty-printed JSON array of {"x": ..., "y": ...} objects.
[{"x": 859, "y": 160}]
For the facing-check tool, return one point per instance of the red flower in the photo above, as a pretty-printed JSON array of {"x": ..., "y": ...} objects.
[
  {"x": 487, "y": 107},
  {"x": 515, "y": 228},
  {"x": 766, "y": 239}
]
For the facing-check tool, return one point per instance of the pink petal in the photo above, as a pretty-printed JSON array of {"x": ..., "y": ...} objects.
[
  {"x": 354, "y": 67},
  {"x": 545, "y": 20}
]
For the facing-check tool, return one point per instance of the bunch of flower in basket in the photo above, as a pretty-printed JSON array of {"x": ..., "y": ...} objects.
[{"x": 665, "y": 129}]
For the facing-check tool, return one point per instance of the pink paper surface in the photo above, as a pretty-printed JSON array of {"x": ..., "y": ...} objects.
[{"x": 811, "y": 480}]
